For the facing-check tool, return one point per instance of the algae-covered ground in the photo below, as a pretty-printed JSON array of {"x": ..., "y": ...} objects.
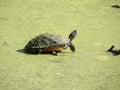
[{"x": 89, "y": 68}]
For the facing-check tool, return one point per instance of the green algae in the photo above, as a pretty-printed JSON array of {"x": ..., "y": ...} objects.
[{"x": 89, "y": 68}]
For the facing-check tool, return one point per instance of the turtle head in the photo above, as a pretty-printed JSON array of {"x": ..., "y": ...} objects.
[{"x": 71, "y": 37}]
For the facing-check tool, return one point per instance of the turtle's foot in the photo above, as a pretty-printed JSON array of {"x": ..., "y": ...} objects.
[{"x": 55, "y": 53}]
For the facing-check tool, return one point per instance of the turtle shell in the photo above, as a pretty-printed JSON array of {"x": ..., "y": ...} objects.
[{"x": 47, "y": 42}]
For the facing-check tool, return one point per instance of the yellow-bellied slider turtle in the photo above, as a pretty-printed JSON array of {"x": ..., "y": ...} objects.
[{"x": 50, "y": 43}]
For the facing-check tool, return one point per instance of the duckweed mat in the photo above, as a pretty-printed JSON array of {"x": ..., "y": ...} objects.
[{"x": 89, "y": 68}]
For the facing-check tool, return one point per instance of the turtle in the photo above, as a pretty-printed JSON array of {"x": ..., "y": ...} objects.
[
  {"x": 116, "y": 6},
  {"x": 50, "y": 43},
  {"x": 113, "y": 50}
]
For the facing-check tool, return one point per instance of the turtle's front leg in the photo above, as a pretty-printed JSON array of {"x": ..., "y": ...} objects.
[{"x": 54, "y": 53}]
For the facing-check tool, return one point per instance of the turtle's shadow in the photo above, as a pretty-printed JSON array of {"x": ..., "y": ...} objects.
[
  {"x": 21, "y": 51},
  {"x": 43, "y": 53},
  {"x": 24, "y": 52}
]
